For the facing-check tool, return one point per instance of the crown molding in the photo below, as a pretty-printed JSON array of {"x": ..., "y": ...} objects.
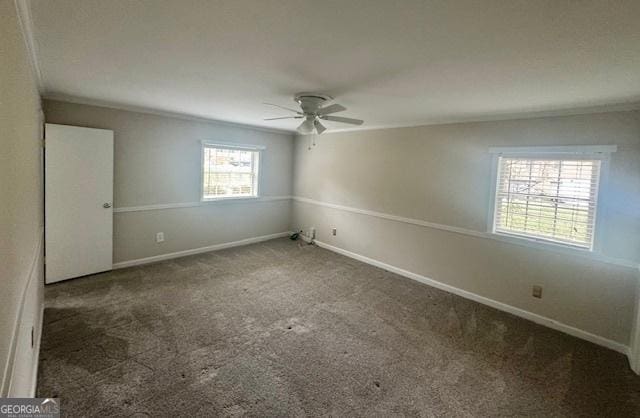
[
  {"x": 23, "y": 9},
  {"x": 625, "y": 106},
  {"x": 610, "y": 108},
  {"x": 158, "y": 112}
]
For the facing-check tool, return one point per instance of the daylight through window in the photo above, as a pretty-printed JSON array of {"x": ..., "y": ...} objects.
[
  {"x": 549, "y": 199},
  {"x": 229, "y": 172}
]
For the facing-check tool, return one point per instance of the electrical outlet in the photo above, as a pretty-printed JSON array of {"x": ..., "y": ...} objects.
[
  {"x": 537, "y": 292},
  {"x": 312, "y": 233},
  {"x": 334, "y": 232},
  {"x": 160, "y": 237}
]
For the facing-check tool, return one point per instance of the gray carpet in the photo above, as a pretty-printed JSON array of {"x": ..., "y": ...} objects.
[{"x": 285, "y": 329}]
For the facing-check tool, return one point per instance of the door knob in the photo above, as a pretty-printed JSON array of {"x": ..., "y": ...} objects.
[{"x": 106, "y": 205}]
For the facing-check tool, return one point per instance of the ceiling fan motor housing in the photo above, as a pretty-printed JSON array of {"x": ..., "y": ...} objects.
[{"x": 312, "y": 102}]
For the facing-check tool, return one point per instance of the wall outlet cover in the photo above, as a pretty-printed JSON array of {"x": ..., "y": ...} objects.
[
  {"x": 160, "y": 237},
  {"x": 537, "y": 292}
]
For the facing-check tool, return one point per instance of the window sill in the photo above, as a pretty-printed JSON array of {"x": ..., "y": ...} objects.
[{"x": 228, "y": 199}]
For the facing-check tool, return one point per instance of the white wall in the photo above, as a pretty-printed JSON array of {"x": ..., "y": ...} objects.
[
  {"x": 20, "y": 209},
  {"x": 157, "y": 162},
  {"x": 442, "y": 174}
]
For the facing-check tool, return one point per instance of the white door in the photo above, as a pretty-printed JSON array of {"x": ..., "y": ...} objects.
[{"x": 78, "y": 201}]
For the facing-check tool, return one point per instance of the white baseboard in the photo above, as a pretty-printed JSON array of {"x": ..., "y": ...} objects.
[
  {"x": 200, "y": 250},
  {"x": 634, "y": 365},
  {"x": 538, "y": 319},
  {"x": 634, "y": 359},
  {"x": 34, "y": 374},
  {"x": 634, "y": 350},
  {"x": 20, "y": 377}
]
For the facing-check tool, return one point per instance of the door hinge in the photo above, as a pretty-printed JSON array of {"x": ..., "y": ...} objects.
[{"x": 44, "y": 143}]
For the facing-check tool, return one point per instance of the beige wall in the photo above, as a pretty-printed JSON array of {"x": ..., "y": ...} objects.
[
  {"x": 157, "y": 161},
  {"x": 442, "y": 174},
  {"x": 20, "y": 189}
]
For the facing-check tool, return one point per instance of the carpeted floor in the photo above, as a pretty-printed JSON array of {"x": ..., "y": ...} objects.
[{"x": 286, "y": 329}]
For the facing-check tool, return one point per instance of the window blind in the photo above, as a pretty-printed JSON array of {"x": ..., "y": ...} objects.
[
  {"x": 549, "y": 199},
  {"x": 229, "y": 172}
]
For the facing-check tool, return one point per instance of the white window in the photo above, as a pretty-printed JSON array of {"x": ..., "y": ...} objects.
[
  {"x": 548, "y": 196},
  {"x": 229, "y": 171}
]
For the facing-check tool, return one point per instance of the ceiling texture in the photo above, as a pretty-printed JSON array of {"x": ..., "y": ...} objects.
[{"x": 391, "y": 63}]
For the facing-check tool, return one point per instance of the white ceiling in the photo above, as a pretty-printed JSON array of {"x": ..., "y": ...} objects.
[{"x": 391, "y": 63}]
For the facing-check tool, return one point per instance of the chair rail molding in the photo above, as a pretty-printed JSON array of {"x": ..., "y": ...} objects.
[{"x": 469, "y": 232}]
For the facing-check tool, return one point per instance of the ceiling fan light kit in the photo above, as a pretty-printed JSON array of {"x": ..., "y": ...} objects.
[
  {"x": 306, "y": 127},
  {"x": 314, "y": 108}
]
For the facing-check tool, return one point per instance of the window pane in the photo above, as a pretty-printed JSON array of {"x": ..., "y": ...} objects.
[
  {"x": 229, "y": 172},
  {"x": 547, "y": 199}
]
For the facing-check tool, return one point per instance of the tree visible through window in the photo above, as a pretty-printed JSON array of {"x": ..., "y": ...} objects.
[
  {"x": 229, "y": 172},
  {"x": 549, "y": 199}
]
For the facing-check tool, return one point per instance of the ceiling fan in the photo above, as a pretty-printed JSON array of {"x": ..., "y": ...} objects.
[{"x": 313, "y": 109}]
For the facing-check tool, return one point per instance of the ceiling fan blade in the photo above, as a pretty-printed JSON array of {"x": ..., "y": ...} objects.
[
  {"x": 319, "y": 127},
  {"x": 284, "y": 117},
  {"x": 343, "y": 120},
  {"x": 306, "y": 127},
  {"x": 285, "y": 108},
  {"x": 334, "y": 108}
]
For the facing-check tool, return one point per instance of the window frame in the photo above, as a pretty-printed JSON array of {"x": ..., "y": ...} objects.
[
  {"x": 587, "y": 152},
  {"x": 259, "y": 149}
]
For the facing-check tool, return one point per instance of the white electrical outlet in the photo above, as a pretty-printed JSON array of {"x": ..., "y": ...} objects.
[
  {"x": 312, "y": 233},
  {"x": 160, "y": 237},
  {"x": 537, "y": 292}
]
